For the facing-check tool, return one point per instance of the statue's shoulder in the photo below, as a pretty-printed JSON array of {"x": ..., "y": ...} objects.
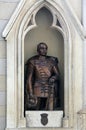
[
  {"x": 32, "y": 60},
  {"x": 53, "y": 59}
]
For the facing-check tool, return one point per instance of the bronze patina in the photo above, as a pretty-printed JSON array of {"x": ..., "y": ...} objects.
[{"x": 42, "y": 76}]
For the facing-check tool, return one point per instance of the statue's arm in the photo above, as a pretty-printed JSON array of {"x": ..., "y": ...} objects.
[
  {"x": 29, "y": 84},
  {"x": 29, "y": 78},
  {"x": 56, "y": 72}
]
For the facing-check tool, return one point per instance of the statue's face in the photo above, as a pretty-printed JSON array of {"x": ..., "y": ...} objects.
[{"x": 42, "y": 50}]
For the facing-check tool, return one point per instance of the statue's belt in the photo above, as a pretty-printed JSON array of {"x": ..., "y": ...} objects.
[
  {"x": 41, "y": 82},
  {"x": 43, "y": 86},
  {"x": 43, "y": 89}
]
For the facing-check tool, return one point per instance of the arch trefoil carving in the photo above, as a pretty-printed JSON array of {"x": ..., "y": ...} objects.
[{"x": 64, "y": 29}]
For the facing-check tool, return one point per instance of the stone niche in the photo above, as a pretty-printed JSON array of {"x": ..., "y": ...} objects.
[
  {"x": 25, "y": 30},
  {"x": 44, "y": 31}
]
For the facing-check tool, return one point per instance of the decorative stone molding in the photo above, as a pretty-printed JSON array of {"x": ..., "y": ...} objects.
[
  {"x": 15, "y": 33},
  {"x": 68, "y": 10},
  {"x": 84, "y": 54}
]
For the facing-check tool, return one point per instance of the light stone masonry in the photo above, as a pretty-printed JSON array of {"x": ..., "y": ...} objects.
[
  {"x": 54, "y": 128},
  {"x": 82, "y": 119},
  {"x": 17, "y": 28},
  {"x": 84, "y": 75},
  {"x": 76, "y": 5},
  {"x": 2, "y": 98},
  {"x": 2, "y": 111},
  {"x": 2, "y": 66},
  {"x": 2, "y": 123},
  {"x": 84, "y": 54},
  {"x": 2, "y": 26},
  {"x": 6, "y": 10},
  {"x": 2, "y": 82},
  {"x": 40, "y": 128},
  {"x": 11, "y": 1},
  {"x": 2, "y": 49}
]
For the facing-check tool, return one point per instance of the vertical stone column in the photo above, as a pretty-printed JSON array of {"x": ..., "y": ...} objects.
[
  {"x": 81, "y": 115},
  {"x": 84, "y": 53}
]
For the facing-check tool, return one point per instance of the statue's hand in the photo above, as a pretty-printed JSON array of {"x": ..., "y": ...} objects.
[
  {"x": 31, "y": 95},
  {"x": 32, "y": 99},
  {"x": 52, "y": 79}
]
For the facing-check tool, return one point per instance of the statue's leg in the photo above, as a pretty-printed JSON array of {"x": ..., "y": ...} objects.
[
  {"x": 43, "y": 103},
  {"x": 51, "y": 99},
  {"x": 38, "y": 103},
  {"x": 51, "y": 104}
]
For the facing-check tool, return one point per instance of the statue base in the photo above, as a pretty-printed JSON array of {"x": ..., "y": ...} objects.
[{"x": 44, "y": 118}]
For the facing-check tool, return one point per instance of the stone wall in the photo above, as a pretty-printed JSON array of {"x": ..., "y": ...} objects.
[
  {"x": 76, "y": 5},
  {"x": 7, "y": 8}
]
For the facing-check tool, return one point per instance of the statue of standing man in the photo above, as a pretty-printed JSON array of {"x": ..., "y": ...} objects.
[{"x": 42, "y": 75}]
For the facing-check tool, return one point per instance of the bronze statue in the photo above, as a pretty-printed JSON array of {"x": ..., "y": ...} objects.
[{"x": 42, "y": 76}]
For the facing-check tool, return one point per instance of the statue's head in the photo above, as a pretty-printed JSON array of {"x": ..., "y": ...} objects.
[{"x": 42, "y": 49}]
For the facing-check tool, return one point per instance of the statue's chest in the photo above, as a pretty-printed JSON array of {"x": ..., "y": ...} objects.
[{"x": 43, "y": 63}]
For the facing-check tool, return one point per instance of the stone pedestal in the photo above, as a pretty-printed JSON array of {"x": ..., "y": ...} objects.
[{"x": 44, "y": 118}]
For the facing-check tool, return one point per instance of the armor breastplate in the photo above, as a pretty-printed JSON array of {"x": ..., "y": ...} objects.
[
  {"x": 42, "y": 73},
  {"x": 43, "y": 70}
]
